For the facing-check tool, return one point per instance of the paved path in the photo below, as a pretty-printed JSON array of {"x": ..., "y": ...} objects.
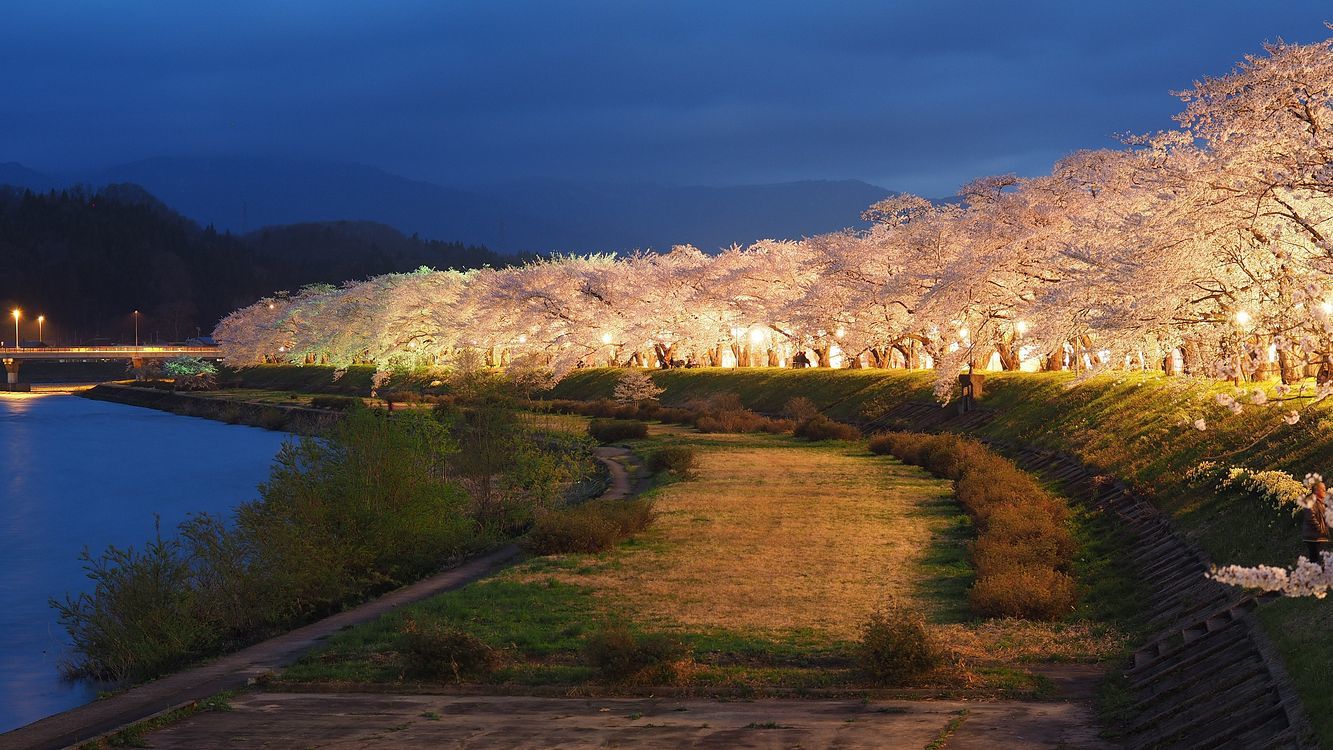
[
  {"x": 234, "y": 670},
  {"x": 621, "y": 486},
  {"x": 408, "y": 722}
]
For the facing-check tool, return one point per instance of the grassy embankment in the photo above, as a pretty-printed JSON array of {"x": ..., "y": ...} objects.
[
  {"x": 764, "y": 565},
  {"x": 1136, "y": 426}
]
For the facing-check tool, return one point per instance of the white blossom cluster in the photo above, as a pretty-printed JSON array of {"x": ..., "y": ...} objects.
[{"x": 1306, "y": 578}]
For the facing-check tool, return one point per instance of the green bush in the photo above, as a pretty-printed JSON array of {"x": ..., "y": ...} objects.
[
  {"x": 822, "y": 428},
  {"x": 441, "y": 650},
  {"x": 620, "y": 654},
  {"x": 678, "y": 459},
  {"x": 896, "y": 646},
  {"x": 616, "y": 430},
  {"x": 1033, "y": 592},
  {"x": 140, "y": 617}
]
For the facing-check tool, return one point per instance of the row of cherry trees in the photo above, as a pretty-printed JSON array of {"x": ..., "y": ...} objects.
[{"x": 1204, "y": 248}]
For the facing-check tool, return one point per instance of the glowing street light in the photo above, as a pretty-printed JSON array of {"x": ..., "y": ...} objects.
[
  {"x": 17, "y": 313},
  {"x": 136, "y": 327},
  {"x": 1327, "y": 307},
  {"x": 40, "y": 320},
  {"x": 523, "y": 338},
  {"x": 1243, "y": 318},
  {"x": 963, "y": 333},
  {"x": 840, "y": 332},
  {"x": 756, "y": 335},
  {"x": 1021, "y": 326},
  {"x": 606, "y": 338}
]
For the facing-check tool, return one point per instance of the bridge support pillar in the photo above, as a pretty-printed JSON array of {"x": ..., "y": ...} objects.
[{"x": 12, "y": 375}]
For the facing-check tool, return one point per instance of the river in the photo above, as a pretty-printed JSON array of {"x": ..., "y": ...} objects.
[{"x": 78, "y": 473}]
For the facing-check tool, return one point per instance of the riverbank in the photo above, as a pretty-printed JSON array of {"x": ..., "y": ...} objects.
[{"x": 284, "y": 418}]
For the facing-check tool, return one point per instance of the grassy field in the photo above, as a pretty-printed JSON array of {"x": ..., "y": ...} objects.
[
  {"x": 1135, "y": 425},
  {"x": 765, "y": 565}
]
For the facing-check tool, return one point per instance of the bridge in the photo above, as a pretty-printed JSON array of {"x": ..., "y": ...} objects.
[{"x": 13, "y": 357}]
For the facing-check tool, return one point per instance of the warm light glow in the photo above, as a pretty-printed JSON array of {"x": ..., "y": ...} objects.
[
  {"x": 840, "y": 332},
  {"x": 1243, "y": 318},
  {"x": 737, "y": 332},
  {"x": 270, "y": 305},
  {"x": 523, "y": 338},
  {"x": 963, "y": 333},
  {"x": 756, "y": 335},
  {"x": 41, "y": 318},
  {"x": 1021, "y": 326},
  {"x": 16, "y": 313},
  {"x": 606, "y": 338},
  {"x": 1327, "y": 307}
]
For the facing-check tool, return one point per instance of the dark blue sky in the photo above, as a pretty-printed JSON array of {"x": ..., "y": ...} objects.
[{"x": 913, "y": 96}]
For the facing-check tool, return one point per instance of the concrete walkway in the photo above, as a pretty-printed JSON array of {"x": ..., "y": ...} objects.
[
  {"x": 408, "y": 722},
  {"x": 235, "y": 670}
]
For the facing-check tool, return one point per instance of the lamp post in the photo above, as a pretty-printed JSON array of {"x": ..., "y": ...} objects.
[
  {"x": 18, "y": 344},
  {"x": 40, "y": 320},
  {"x": 136, "y": 327}
]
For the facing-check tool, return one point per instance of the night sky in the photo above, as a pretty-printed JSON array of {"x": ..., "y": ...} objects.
[{"x": 911, "y": 96}]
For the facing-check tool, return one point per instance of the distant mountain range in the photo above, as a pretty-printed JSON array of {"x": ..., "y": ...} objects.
[{"x": 245, "y": 194}]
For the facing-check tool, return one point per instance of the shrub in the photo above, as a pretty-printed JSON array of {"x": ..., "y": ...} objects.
[
  {"x": 628, "y": 516},
  {"x": 822, "y": 428},
  {"x": 1029, "y": 591},
  {"x": 674, "y": 414},
  {"x": 335, "y": 403},
  {"x": 592, "y": 527},
  {"x": 139, "y": 620},
  {"x": 1024, "y": 543},
  {"x": 800, "y": 408},
  {"x": 679, "y": 459},
  {"x": 602, "y": 408},
  {"x": 619, "y": 654},
  {"x": 570, "y": 530},
  {"x": 615, "y": 430},
  {"x": 442, "y": 650},
  {"x": 896, "y": 645},
  {"x": 945, "y": 456}
]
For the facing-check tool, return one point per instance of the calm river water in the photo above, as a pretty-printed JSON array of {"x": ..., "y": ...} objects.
[{"x": 77, "y": 473}]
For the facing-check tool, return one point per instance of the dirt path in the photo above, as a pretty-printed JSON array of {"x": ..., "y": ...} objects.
[{"x": 370, "y": 721}]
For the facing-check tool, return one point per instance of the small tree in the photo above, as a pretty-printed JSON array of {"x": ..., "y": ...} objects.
[{"x": 636, "y": 387}]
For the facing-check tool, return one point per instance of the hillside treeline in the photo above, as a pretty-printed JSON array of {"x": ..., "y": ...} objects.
[{"x": 86, "y": 259}]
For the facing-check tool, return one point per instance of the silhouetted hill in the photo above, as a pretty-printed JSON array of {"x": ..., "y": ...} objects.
[
  {"x": 242, "y": 194},
  {"x": 88, "y": 259}
]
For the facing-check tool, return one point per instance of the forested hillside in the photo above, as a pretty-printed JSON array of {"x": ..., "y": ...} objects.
[{"x": 87, "y": 259}]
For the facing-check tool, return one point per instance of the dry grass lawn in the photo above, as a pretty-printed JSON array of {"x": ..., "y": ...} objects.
[{"x": 776, "y": 535}]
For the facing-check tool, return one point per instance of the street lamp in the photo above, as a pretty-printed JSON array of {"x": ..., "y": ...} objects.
[
  {"x": 40, "y": 320},
  {"x": 136, "y": 327},
  {"x": 18, "y": 344}
]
